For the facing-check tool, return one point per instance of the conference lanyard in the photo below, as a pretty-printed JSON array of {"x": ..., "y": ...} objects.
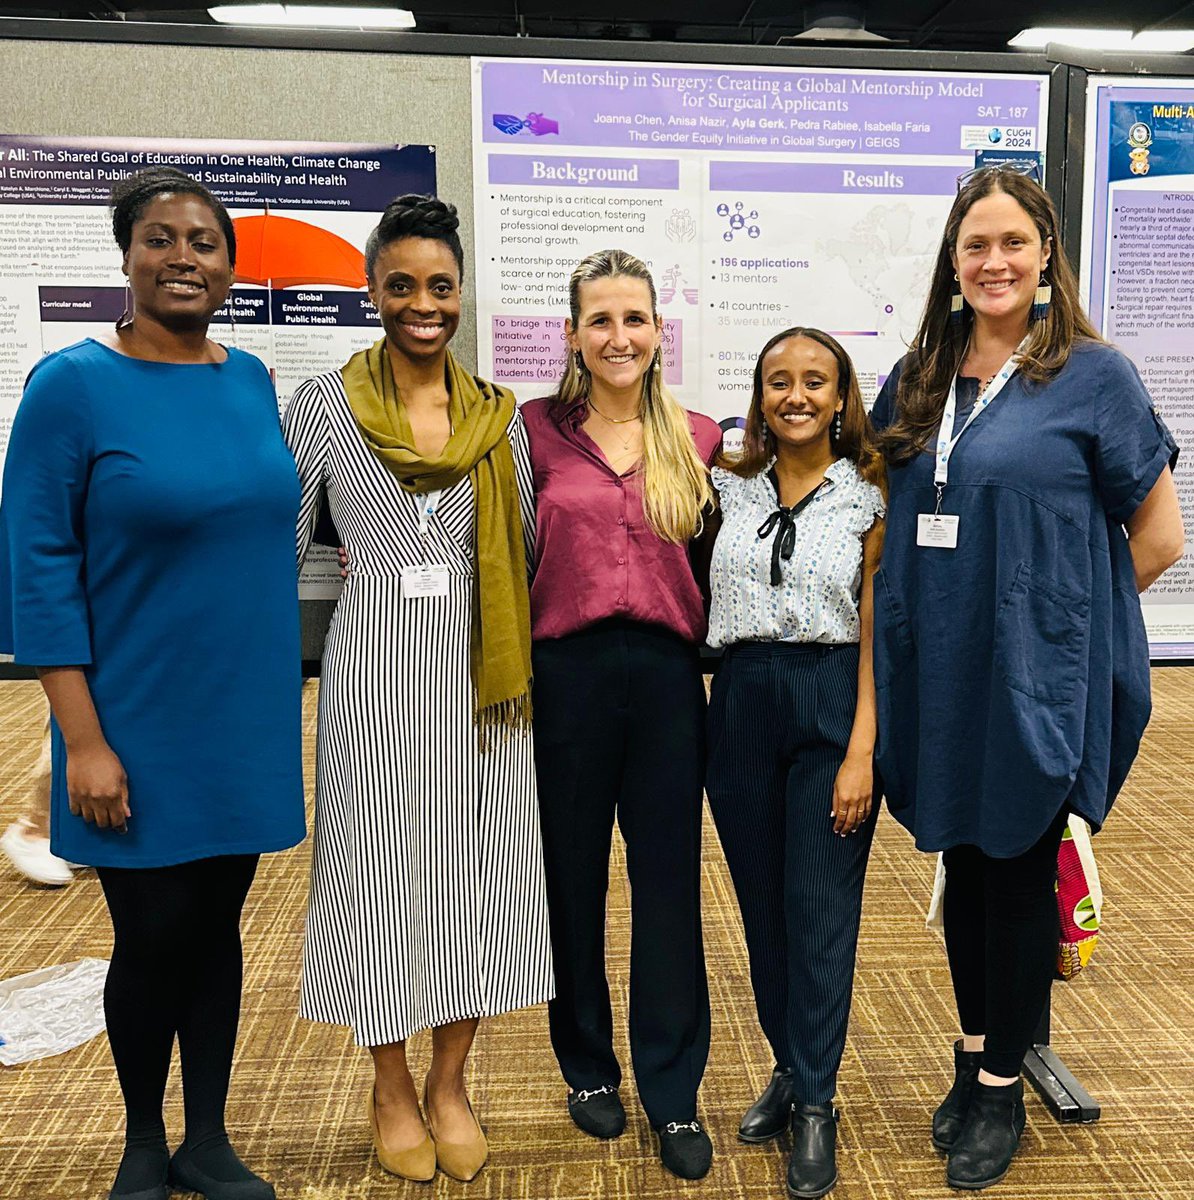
[
  {"x": 936, "y": 528},
  {"x": 947, "y": 441},
  {"x": 427, "y": 580},
  {"x": 428, "y": 503}
]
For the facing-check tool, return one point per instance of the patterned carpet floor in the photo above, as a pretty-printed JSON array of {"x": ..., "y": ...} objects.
[{"x": 297, "y": 1108}]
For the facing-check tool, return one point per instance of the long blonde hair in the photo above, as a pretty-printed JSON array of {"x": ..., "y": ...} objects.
[{"x": 674, "y": 480}]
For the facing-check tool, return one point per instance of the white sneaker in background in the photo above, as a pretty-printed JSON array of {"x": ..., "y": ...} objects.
[{"x": 30, "y": 854}]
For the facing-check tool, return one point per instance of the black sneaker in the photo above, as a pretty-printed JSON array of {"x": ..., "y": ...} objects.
[
  {"x": 685, "y": 1149},
  {"x": 598, "y": 1112}
]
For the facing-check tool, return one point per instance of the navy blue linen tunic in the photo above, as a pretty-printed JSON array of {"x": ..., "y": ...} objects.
[
  {"x": 147, "y": 535},
  {"x": 1012, "y": 672}
]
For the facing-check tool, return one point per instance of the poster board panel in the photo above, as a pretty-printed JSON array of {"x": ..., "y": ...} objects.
[
  {"x": 1137, "y": 270},
  {"x": 760, "y": 197}
]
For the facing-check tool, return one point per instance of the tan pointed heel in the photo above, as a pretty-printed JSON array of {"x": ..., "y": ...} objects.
[
  {"x": 417, "y": 1163},
  {"x": 461, "y": 1160}
]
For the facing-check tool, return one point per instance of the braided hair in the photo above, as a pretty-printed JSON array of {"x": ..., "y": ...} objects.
[
  {"x": 415, "y": 216},
  {"x": 132, "y": 195}
]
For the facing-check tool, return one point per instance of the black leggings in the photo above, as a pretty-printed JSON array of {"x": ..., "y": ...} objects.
[
  {"x": 176, "y": 969},
  {"x": 1001, "y": 931}
]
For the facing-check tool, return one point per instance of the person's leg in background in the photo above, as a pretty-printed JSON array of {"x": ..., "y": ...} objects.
[{"x": 26, "y": 842}]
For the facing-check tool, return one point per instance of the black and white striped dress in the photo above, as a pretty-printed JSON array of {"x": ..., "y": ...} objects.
[{"x": 427, "y": 892}]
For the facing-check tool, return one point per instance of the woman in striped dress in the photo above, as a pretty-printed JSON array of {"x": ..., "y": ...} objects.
[{"x": 427, "y": 906}]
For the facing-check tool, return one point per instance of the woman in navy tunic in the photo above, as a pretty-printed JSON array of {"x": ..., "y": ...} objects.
[
  {"x": 1011, "y": 663},
  {"x": 144, "y": 471}
]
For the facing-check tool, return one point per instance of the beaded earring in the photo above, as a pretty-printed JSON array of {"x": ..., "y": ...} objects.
[
  {"x": 1042, "y": 299},
  {"x": 955, "y": 303},
  {"x": 835, "y": 430}
]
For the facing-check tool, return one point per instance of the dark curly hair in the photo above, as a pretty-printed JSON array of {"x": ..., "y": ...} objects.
[
  {"x": 131, "y": 196},
  {"x": 415, "y": 216}
]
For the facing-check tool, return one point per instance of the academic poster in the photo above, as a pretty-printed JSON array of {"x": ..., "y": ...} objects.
[
  {"x": 301, "y": 212},
  {"x": 1138, "y": 280},
  {"x": 761, "y": 198}
]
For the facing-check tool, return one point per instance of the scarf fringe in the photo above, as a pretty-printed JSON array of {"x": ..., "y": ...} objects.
[{"x": 497, "y": 723}]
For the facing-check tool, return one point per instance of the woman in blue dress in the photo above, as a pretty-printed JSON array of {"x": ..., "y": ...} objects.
[
  {"x": 1031, "y": 500},
  {"x": 142, "y": 469}
]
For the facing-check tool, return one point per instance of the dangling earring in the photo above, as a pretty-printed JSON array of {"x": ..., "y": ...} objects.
[
  {"x": 580, "y": 364},
  {"x": 658, "y": 365},
  {"x": 835, "y": 430},
  {"x": 955, "y": 304},
  {"x": 126, "y": 317},
  {"x": 1042, "y": 300}
]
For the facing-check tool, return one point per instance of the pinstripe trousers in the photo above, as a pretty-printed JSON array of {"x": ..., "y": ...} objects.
[
  {"x": 779, "y": 721},
  {"x": 619, "y": 730}
]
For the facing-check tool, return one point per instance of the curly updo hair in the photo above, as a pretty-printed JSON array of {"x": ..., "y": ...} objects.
[
  {"x": 417, "y": 216},
  {"x": 132, "y": 195}
]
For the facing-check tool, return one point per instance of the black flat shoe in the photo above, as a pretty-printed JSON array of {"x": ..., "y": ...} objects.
[
  {"x": 144, "y": 1169},
  {"x": 987, "y": 1144},
  {"x": 812, "y": 1167},
  {"x": 685, "y": 1149},
  {"x": 951, "y": 1114},
  {"x": 770, "y": 1114},
  {"x": 187, "y": 1177},
  {"x": 158, "y": 1192},
  {"x": 598, "y": 1112}
]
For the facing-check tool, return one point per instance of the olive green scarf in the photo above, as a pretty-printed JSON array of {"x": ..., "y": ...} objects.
[{"x": 479, "y": 448}]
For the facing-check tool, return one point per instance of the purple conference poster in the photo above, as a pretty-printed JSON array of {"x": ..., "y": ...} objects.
[{"x": 761, "y": 197}]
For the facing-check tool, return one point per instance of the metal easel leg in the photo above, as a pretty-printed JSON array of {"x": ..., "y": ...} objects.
[{"x": 1064, "y": 1096}]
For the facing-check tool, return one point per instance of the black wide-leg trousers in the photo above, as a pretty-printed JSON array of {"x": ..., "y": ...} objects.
[
  {"x": 619, "y": 734},
  {"x": 780, "y": 718}
]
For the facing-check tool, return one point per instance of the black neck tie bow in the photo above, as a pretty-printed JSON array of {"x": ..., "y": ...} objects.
[{"x": 785, "y": 539}]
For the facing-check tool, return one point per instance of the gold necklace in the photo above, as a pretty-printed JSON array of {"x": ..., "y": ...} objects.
[{"x": 614, "y": 420}]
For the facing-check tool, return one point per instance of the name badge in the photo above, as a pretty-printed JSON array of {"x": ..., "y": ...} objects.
[
  {"x": 421, "y": 583},
  {"x": 937, "y": 529}
]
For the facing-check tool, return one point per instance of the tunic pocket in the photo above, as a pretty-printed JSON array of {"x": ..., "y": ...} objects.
[
  {"x": 1040, "y": 638},
  {"x": 893, "y": 647}
]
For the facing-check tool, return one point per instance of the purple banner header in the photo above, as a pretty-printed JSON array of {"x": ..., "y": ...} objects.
[
  {"x": 629, "y": 105},
  {"x": 554, "y": 170},
  {"x": 40, "y": 170},
  {"x": 244, "y": 306},
  {"x": 81, "y": 303},
  {"x": 866, "y": 178},
  {"x": 320, "y": 306}
]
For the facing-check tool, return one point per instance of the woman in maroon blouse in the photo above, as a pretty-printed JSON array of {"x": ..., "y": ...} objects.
[{"x": 621, "y": 480}]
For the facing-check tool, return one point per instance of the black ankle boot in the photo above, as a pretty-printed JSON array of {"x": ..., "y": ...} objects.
[
  {"x": 984, "y": 1150},
  {"x": 812, "y": 1167},
  {"x": 951, "y": 1115},
  {"x": 769, "y": 1115}
]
